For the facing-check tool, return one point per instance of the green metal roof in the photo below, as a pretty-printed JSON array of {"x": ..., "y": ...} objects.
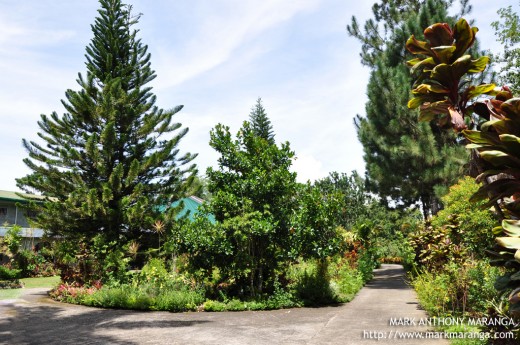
[
  {"x": 190, "y": 207},
  {"x": 15, "y": 196}
]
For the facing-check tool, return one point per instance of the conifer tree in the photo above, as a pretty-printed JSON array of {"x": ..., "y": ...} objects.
[
  {"x": 406, "y": 162},
  {"x": 112, "y": 158},
  {"x": 260, "y": 123}
]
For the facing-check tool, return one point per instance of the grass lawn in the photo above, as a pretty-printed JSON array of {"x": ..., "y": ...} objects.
[
  {"x": 43, "y": 282},
  {"x": 10, "y": 293}
]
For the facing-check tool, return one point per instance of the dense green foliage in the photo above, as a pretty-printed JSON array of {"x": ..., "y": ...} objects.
[
  {"x": 109, "y": 168},
  {"x": 406, "y": 162},
  {"x": 507, "y": 30},
  {"x": 458, "y": 289},
  {"x": 108, "y": 162},
  {"x": 458, "y": 233},
  {"x": 353, "y": 196},
  {"x": 315, "y": 232},
  {"x": 154, "y": 288},
  {"x": 472, "y": 222},
  {"x": 252, "y": 199}
]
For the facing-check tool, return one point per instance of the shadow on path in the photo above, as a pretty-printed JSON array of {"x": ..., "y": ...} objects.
[
  {"x": 35, "y": 319},
  {"x": 392, "y": 277}
]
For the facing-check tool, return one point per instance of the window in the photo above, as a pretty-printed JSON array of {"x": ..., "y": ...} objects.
[
  {"x": 3, "y": 211},
  {"x": 31, "y": 213}
]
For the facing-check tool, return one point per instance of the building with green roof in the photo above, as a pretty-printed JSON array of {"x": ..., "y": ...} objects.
[
  {"x": 11, "y": 214},
  {"x": 190, "y": 208}
]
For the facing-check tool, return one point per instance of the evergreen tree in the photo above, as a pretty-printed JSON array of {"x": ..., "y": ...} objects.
[
  {"x": 508, "y": 32},
  {"x": 407, "y": 162},
  {"x": 112, "y": 158},
  {"x": 260, "y": 123}
]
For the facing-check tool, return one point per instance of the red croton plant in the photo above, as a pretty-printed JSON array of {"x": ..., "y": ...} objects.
[{"x": 443, "y": 91}]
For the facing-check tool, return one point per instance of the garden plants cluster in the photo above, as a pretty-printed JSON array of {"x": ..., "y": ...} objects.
[
  {"x": 19, "y": 262},
  {"x": 113, "y": 179}
]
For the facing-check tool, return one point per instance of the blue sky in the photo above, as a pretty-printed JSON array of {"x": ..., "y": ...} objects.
[{"x": 215, "y": 58}]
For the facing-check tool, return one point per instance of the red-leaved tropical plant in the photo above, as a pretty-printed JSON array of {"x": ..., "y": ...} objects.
[{"x": 443, "y": 91}]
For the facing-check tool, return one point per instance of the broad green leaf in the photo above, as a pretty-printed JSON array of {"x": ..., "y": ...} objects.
[
  {"x": 488, "y": 124},
  {"x": 428, "y": 88},
  {"x": 418, "y": 47},
  {"x": 500, "y": 158},
  {"x": 511, "y": 108},
  {"x": 511, "y": 227},
  {"x": 475, "y": 91},
  {"x": 429, "y": 110},
  {"x": 413, "y": 62},
  {"x": 460, "y": 67},
  {"x": 444, "y": 53},
  {"x": 499, "y": 189},
  {"x": 464, "y": 36},
  {"x": 509, "y": 242},
  {"x": 497, "y": 230},
  {"x": 419, "y": 100},
  {"x": 428, "y": 62},
  {"x": 474, "y": 146},
  {"x": 442, "y": 74},
  {"x": 479, "y": 137},
  {"x": 508, "y": 138},
  {"x": 479, "y": 65}
]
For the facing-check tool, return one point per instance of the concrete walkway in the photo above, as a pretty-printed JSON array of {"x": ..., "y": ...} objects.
[{"x": 34, "y": 319}]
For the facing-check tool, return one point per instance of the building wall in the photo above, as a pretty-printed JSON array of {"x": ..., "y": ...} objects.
[{"x": 12, "y": 215}]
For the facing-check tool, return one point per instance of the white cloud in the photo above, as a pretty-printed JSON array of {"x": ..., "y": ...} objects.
[
  {"x": 216, "y": 58},
  {"x": 308, "y": 168},
  {"x": 223, "y": 29}
]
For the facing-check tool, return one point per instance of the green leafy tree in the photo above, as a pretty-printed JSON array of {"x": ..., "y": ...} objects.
[
  {"x": 260, "y": 123},
  {"x": 252, "y": 198},
  {"x": 315, "y": 230},
  {"x": 354, "y": 196},
  {"x": 507, "y": 30},
  {"x": 108, "y": 162},
  {"x": 406, "y": 162}
]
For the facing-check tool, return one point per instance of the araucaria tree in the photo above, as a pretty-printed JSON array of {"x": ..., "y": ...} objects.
[
  {"x": 406, "y": 162},
  {"x": 112, "y": 158},
  {"x": 260, "y": 123}
]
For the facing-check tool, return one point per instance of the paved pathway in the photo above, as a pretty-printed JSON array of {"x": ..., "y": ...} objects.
[{"x": 34, "y": 319}]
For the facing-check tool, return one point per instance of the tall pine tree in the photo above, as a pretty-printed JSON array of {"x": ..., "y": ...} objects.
[
  {"x": 112, "y": 158},
  {"x": 260, "y": 123},
  {"x": 407, "y": 162}
]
